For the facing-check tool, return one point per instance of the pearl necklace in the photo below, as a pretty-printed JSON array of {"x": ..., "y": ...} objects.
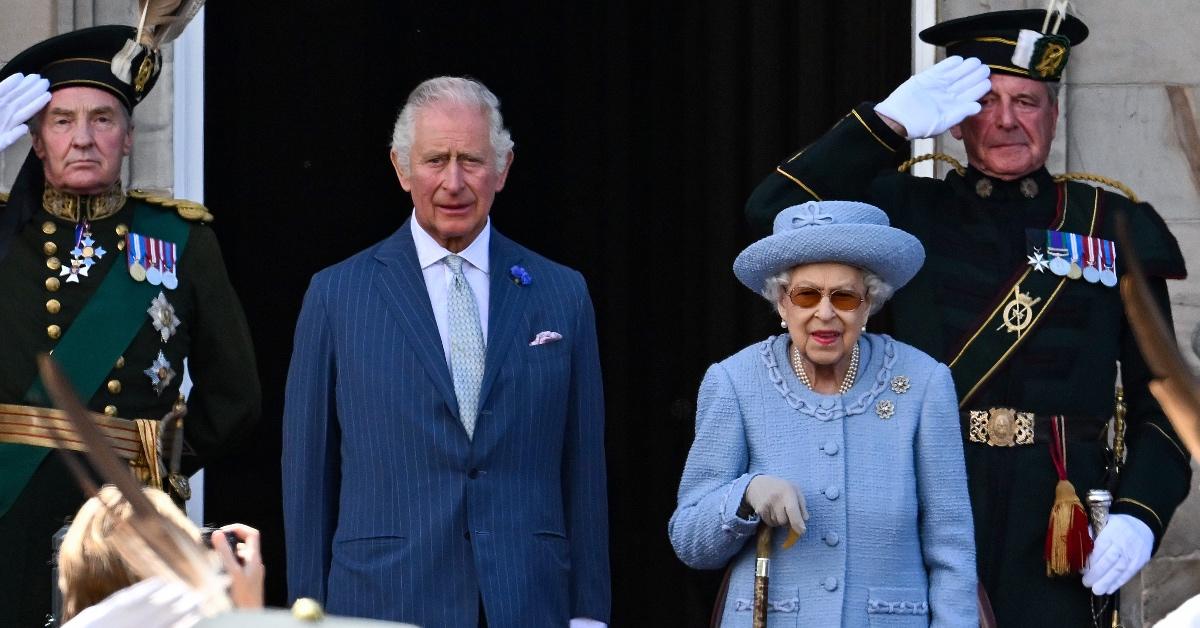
[{"x": 847, "y": 381}]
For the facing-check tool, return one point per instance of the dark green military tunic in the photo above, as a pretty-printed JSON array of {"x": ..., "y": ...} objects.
[
  {"x": 39, "y": 306},
  {"x": 976, "y": 246}
]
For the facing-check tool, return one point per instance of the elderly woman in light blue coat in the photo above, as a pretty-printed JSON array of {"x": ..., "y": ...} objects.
[{"x": 848, "y": 439}]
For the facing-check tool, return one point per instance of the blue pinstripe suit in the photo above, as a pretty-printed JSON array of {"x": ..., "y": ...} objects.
[{"x": 391, "y": 511}]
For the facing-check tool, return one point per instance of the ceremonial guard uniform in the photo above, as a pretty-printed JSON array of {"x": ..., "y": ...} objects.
[
  {"x": 1018, "y": 295},
  {"x": 121, "y": 288}
]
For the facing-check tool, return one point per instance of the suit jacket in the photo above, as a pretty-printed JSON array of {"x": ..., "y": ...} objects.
[
  {"x": 391, "y": 511},
  {"x": 889, "y": 538}
]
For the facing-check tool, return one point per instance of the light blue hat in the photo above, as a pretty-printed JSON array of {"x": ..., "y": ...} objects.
[{"x": 847, "y": 232}]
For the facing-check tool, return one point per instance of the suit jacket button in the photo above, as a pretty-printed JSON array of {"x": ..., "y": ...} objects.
[
  {"x": 832, "y": 539},
  {"x": 467, "y": 534},
  {"x": 832, "y": 492},
  {"x": 830, "y": 584},
  {"x": 830, "y": 448},
  {"x": 473, "y": 473}
]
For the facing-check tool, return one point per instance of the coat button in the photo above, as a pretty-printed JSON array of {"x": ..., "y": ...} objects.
[
  {"x": 473, "y": 473},
  {"x": 50, "y": 248},
  {"x": 830, "y": 584},
  {"x": 52, "y": 284},
  {"x": 832, "y": 539},
  {"x": 54, "y": 332},
  {"x": 53, "y": 263},
  {"x": 114, "y": 386},
  {"x": 830, "y": 448},
  {"x": 467, "y": 534},
  {"x": 49, "y": 228},
  {"x": 53, "y": 306},
  {"x": 110, "y": 410},
  {"x": 120, "y": 364},
  {"x": 833, "y": 492},
  {"x": 122, "y": 230}
]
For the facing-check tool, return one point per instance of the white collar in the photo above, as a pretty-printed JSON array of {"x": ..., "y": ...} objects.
[{"x": 429, "y": 252}]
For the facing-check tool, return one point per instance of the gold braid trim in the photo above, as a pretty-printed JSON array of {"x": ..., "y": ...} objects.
[
  {"x": 1095, "y": 178},
  {"x": 1130, "y": 500},
  {"x": 958, "y": 167},
  {"x": 189, "y": 210}
]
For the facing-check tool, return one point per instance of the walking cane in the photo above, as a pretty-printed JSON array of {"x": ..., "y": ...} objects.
[{"x": 762, "y": 575}]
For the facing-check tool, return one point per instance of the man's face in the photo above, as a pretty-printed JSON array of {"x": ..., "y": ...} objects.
[
  {"x": 82, "y": 138},
  {"x": 452, "y": 175},
  {"x": 1010, "y": 137}
]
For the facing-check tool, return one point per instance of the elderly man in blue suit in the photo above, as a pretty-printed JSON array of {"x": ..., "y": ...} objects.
[{"x": 443, "y": 441}]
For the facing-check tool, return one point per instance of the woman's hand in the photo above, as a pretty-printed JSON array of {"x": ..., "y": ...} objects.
[
  {"x": 778, "y": 502},
  {"x": 247, "y": 576}
]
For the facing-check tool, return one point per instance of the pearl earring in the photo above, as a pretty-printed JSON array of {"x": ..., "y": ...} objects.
[{"x": 783, "y": 324}]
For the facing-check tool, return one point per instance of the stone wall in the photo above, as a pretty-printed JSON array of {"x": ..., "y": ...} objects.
[
  {"x": 1116, "y": 120},
  {"x": 26, "y": 22}
]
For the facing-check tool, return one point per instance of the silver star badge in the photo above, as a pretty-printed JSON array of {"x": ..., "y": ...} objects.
[
  {"x": 885, "y": 408},
  {"x": 162, "y": 315},
  {"x": 73, "y": 272},
  {"x": 1038, "y": 261},
  {"x": 160, "y": 373},
  {"x": 900, "y": 384}
]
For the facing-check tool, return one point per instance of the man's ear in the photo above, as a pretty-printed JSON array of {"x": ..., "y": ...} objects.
[
  {"x": 504, "y": 173},
  {"x": 956, "y": 132},
  {"x": 405, "y": 182}
]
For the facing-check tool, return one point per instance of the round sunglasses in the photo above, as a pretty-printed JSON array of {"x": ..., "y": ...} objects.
[{"x": 844, "y": 300}]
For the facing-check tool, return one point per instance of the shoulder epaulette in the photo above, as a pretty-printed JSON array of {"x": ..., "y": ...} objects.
[
  {"x": 1095, "y": 178},
  {"x": 187, "y": 209}
]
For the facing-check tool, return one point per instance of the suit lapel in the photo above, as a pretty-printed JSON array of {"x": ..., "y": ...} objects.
[
  {"x": 403, "y": 287},
  {"x": 504, "y": 307}
]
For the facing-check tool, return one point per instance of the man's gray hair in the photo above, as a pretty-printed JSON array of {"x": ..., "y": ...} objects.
[
  {"x": 457, "y": 90},
  {"x": 878, "y": 290},
  {"x": 1052, "y": 89}
]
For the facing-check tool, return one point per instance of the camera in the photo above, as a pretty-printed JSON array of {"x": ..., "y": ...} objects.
[{"x": 207, "y": 532}]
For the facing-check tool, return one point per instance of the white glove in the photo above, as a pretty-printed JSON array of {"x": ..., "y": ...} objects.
[
  {"x": 777, "y": 502},
  {"x": 939, "y": 97},
  {"x": 1122, "y": 548},
  {"x": 20, "y": 97}
]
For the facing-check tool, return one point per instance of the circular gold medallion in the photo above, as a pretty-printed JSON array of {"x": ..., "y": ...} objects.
[
  {"x": 1075, "y": 272},
  {"x": 88, "y": 251},
  {"x": 52, "y": 284},
  {"x": 137, "y": 272},
  {"x": 49, "y": 227}
]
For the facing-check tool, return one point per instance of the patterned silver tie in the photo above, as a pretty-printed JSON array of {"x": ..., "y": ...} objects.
[{"x": 466, "y": 344}]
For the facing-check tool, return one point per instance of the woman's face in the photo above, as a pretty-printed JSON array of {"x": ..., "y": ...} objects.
[{"x": 824, "y": 333}]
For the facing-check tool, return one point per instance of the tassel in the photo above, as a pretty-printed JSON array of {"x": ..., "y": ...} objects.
[{"x": 1067, "y": 542}]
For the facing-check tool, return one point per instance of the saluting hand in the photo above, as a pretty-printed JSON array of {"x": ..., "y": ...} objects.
[
  {"x": 778, "y": 502},
  {"x": 937, "y": 98},
  {"x": 20, "y": 98}
]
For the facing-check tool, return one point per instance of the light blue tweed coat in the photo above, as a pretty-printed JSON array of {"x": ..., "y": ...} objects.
[{"x": 890, "y": 539}]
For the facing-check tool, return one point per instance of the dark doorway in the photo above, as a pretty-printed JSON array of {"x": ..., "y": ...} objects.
[{"x": 641, "y": 127}]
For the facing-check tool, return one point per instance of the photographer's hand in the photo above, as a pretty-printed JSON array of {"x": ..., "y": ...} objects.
[{"x": 246, "y": 586}]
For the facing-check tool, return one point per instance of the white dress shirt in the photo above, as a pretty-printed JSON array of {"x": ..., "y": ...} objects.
[{"x": 438, "y": 276}]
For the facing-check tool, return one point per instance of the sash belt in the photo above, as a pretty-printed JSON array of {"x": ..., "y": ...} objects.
[{"x": 1008, "y": 427}]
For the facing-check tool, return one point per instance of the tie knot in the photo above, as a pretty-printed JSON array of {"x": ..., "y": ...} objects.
[{"x": 455, "y": 263}]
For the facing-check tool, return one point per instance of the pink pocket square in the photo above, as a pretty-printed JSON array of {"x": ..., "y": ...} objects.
[{"x": 545, "y": 337}]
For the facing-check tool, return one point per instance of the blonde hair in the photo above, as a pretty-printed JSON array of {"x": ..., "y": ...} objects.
[{"x": 90, "y": 565}]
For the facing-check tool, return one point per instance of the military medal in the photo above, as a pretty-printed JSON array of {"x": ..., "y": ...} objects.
[
  {"x": 153, "y": 262},
  {"x": 1075, "y": 272},
  {"x": 1054, "y": 246},
  {"x": 1091, "y": 262},
  {"x": 162, "y": 316},
  {"x": 1108, "y": 275},
  {"x": 74, "y": 271},
  {"x": 160, "y": 373},
  {"x": 170, "y": 277},
  {"x": 1018, "y": 313},
  {"x": 1037, "y": 260},
  {"x": 135, "y": 254}
]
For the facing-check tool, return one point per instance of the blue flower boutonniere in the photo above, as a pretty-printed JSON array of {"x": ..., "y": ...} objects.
[{"x": 519, "y": 276}]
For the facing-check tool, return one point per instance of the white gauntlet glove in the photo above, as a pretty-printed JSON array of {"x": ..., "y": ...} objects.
[
  {"x": 939, "y": 97},
  {"x": 777, "y": 502},
  {"x": 1122, "y": 548},
  {"x": 20, "y": 97}
]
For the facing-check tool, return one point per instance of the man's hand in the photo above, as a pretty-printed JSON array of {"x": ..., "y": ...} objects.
[
  {"x": 937, "y": 98},
  {"x": 20, "y": 97},
  {"x": 1121, "y": 549},
  {"x": 777, "y": 502},
  {"x": 243, "y": 564}
]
